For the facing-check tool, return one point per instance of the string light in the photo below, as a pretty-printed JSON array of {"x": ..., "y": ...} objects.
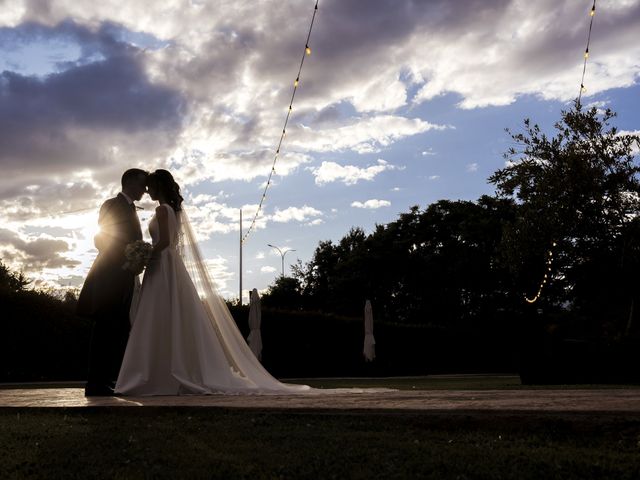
[
  {"x": 586, "y": 53},
  {"x": 545, "y": 278},
  {"x": 307, "y": 51},
  {"x": 583, "y": 89}
]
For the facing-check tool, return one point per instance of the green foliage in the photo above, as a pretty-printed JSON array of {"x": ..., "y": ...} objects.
[
  {"x": 465, "y": 267},
  {"x": 230, "y": 443},
  {"x": 435, "y": 267},
  {"x": 578, "y": 196},
  {"x": 284, "y": 293}
]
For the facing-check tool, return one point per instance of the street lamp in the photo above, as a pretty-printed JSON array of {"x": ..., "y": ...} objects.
[{"x": 282, "y": 254}]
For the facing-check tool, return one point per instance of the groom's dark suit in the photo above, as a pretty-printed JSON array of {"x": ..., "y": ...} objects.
[{"x": 108, "y": 289}]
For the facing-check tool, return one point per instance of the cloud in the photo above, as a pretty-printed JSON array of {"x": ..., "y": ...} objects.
[
  {"x": 268, "y": 269},
  {"x": 202, "y": 88},
  {"x": 198, "y": 166},
  {"x": 492, "y": 63},
  {"x": 635, "y": 148},
  {"x": 96, "y": 111},
  {"x": 51, "y": 201},
  {"x": 599, "y": 105},
  {"x": 362, "y": 135},
  {"x": 629, "y": 132},
  {"x": 472, "y": 167},
  {"x": 295, "y": 214},
  {"x": 371, "y": 204},
  {"x": 329, "y": 172},
  {"x": 213, "y": 217},
  {"x": 36, "y": 253}
]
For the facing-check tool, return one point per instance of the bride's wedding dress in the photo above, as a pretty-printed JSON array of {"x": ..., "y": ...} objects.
[{"x": 183, "y": 338}]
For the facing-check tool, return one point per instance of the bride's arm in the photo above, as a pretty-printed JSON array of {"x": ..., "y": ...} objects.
[{"x": 163, "y": 225}]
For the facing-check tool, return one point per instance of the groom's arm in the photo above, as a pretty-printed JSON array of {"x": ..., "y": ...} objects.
[{"x": 113, "y": 234}]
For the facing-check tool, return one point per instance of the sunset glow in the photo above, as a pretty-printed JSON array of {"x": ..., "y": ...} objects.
[{"x": 400, "y": 104}]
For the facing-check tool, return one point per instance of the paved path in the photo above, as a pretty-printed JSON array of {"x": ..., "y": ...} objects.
[{"x": 607, "y": 400}]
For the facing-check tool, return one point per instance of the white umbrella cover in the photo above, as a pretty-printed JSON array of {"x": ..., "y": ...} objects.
[
  {"x": 369, "y": 350},
  {"x": 255, "y": 318}
]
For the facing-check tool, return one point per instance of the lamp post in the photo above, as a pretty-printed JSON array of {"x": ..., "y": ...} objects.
[{"x": 282, "y": 254}]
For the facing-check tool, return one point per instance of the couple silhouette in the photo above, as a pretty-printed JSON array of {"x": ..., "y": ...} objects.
[{"x": 177, "y": 338}]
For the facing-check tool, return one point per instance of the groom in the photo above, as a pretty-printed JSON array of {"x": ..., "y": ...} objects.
[{"x": 108, "y": 289}]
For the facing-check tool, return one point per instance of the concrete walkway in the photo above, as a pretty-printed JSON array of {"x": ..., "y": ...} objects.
[{"x": 553, "y": 400}]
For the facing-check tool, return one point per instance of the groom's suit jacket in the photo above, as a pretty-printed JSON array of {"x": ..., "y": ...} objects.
[{"x": 108, "y": 287}]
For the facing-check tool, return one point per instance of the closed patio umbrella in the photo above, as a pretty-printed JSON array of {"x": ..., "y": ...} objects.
[
  {"x": 369, "y": 350},
  {"x": 255, "y": 318}
]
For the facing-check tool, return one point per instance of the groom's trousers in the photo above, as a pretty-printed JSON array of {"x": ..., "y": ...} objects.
[
  {"x": 111, "y": 325},
  {"x": 108, "y": 343}
]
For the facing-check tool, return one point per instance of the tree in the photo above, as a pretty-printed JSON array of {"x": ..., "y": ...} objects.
[
  {"x": 578, "y": 197},
  {"x": 12, "y": 281},
  {"x": 435, "y": 266},
  {"x": 285, "y": 293}
]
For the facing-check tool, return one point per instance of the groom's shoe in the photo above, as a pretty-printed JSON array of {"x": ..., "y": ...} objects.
[{"x": 98, "y": 391}]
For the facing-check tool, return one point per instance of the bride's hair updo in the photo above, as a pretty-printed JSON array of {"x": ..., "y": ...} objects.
[{"x": 166, "y": 186}]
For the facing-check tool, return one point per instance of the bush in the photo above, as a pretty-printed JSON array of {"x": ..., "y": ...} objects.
[
  {"x": 311, "y": 344},
  {"x": 42, "y": 338}
]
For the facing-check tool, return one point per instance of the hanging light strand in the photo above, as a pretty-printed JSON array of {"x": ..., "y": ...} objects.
[
  {"x": 546, "y": 278},
  {"x": 583, "y": 89},
  {"x": 307, "y": 51},
  {"x": 547, "y": 275}
]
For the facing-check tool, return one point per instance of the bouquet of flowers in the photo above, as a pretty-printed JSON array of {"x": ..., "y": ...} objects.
[{"x": 138, "y": 254}]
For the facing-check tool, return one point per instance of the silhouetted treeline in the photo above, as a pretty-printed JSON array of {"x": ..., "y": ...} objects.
[
  {"x": 542, "y": 278},
  {"x": 41, "y": 338},
  {"x": 556, "y": 251},
  {"x": 434, "y": 267},
  {"x": 308, "y": 344}
]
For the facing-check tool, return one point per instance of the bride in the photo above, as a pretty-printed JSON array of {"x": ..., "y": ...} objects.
[{"x": 180, "y": 342}]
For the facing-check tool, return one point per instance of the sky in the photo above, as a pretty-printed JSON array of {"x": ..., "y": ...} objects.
[{"x": 401, "y": 103}]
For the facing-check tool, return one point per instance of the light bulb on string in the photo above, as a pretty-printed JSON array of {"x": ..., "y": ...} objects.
[
  {"x": 593, "y": 11},
  {"x": 295, "y": 84}
]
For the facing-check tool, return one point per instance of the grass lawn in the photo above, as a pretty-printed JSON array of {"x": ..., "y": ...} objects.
[{"x": 227, "y": 443}]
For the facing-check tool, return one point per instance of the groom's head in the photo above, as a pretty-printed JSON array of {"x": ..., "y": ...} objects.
[{"x": 134, "y": 183}]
